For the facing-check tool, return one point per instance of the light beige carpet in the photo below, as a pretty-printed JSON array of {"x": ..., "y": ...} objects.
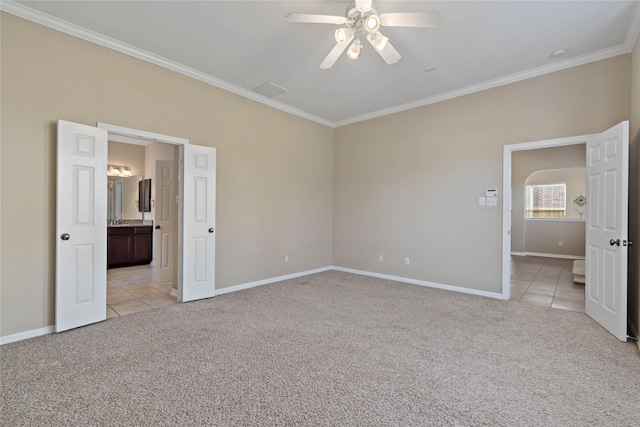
[{"x": 332, "y": 349}]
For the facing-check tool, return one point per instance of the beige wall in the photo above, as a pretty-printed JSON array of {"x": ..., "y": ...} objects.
[
  {"x": 404, "y": 185},
  {"x": 407, "y": 184},
  {"x": 274, "y": 170},
  {"x": 543, "y": 237},
  {"x": 127, "y": 155},
  {"x": 525, "y": 163},
  {"x": 634, "y": 190}
]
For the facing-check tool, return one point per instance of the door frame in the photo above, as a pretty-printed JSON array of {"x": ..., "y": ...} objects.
[
  {"x": 124, "y": 133},
  {"x": 506, "y": 196}
]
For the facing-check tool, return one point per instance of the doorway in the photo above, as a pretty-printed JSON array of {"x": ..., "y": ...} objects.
[
  {"x": 143, "y": 227},
  {"x": 548, "y": 225},
  {"x": 508, "y": 198},
  {"x": 606, "y": 246},
  {"x": 81, "y": 220}
]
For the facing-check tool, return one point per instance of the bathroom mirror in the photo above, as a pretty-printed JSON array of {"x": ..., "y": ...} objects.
[
  {"x": 123, "y": 197},
  {"x": 144, "y": 195}
]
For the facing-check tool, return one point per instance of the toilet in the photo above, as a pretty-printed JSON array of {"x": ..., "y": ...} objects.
[{"x": 578, "y": 271}]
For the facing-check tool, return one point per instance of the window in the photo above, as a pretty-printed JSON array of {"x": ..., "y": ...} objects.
[{"x": 546, "y": 201}]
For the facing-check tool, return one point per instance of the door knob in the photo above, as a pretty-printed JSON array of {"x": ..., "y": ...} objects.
[
  {"x": 65, "y": 236},
  {"x": 211, "y": 230},
  {"x": 157, "y": 227},
  {"x": 614, "y": 242}
]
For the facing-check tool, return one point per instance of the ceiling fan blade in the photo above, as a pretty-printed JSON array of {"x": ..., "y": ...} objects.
[
  {"x": 363, "y": 5},
  {"x": 309, "y": 18},
  {"x": 411, "y": 19},
  {"x": 388, "y": 52},
  {"x": 335, "y": 54}
]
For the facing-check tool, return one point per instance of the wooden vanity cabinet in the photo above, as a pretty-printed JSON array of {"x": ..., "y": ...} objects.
[{"x": 129, "y": 246}]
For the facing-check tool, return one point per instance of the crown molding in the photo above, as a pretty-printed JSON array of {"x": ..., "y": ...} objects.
[
  {"x": 33, "y": 15},
  {"x": 38, "y": 17},
  {"x": 501, "y": 81},
  {"x": 634, "y": 29}
]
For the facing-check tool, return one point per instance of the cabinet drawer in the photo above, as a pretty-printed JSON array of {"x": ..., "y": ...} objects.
[
  {"x": 142, "y": 230},
  {"x": 113, "y": 231}
]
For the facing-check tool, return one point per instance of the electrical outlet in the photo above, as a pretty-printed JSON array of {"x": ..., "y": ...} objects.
[
  {"x": 560, "y": 243},
  {"x": 380, "y": 258},
  {"x": 407, "y": 261},
  {"x": 286, "y": 258}
]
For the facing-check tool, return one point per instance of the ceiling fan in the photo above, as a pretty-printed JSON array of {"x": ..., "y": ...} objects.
[{"x": 362, "y": 20}]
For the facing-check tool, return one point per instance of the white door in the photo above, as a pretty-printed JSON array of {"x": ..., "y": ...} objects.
[
  {"x": 81, "y": 226},
  {"x": 164, "y": 222},
  {"x": 606, "y": 239},
  {"x": 199, "y": 215}
]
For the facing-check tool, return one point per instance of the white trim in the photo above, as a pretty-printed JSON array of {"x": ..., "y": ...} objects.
[
  {"x": 174, "y": 292},
  {"x": 633, "y": 30},
  {"x": 248, "y": 285},
  {"x": 27, "y": 334},
  {"x": 547, "y": 255},
  {"x": 490, "y": 84},
  {"x": 506, "y": 196},
  {"x": 41, "y": 18},
  {"x": 422, "y": 283},
  {"x": 142, "y": 134},
  {"x": 557, "y": 219},
  {"x": 50, "y": 329}
]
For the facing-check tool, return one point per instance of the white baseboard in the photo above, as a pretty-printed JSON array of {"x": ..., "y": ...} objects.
[
  {"x": 540, "y": 254},
  {"x": 422, "y": 283},
  {"x": 27, "y": 334},
  {"x": 50, "y": 329},
  {"x": 174, "y": 292},
  {"x": 236, "y": 288}
]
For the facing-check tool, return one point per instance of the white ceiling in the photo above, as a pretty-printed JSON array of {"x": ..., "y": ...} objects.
[{"x": 239, "y": 45}]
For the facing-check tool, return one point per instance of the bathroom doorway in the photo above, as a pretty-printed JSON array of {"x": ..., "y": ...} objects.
[
  {"x": 81, "y": 220},
  {"x": 143, "y": 227}
]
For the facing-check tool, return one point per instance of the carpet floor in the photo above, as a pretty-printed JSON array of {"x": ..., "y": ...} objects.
[{"x": 331, "y": 349}]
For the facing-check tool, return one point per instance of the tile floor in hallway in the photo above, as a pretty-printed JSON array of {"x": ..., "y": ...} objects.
[
  {"x": 547, "y": 282},
  {"x": 132, "y": 289}
]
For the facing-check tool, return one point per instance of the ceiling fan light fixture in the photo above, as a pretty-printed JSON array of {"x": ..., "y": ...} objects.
[
  {"x": 372, "y": 23},
  {"x": 378, "y": 41},
  {"x": 342, "y": 35},
  {"x": 354, "y": 50}
]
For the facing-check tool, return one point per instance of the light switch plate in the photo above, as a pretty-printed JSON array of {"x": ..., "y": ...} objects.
[
  {"x": 482, "y": 201},
  {"x": 492, "y": 201}
]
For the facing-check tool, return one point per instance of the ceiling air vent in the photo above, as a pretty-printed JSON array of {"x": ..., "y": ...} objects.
[{"x": 269, "y": 89}]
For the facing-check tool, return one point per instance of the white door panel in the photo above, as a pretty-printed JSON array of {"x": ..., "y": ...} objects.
[
  {"x": 81, "y": 226},
  {"x": 164, "y": 222},
  {"x": 607, "y": 229},
  {"x": 199, "y": 214}
]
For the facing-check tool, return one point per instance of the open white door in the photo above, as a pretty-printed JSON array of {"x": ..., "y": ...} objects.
[
  {"x": 164, "y": 222},
  {"x": 81, "y": 226},
  {"x": 199, "y": 215},
  {"x": 607, "y": 229}
]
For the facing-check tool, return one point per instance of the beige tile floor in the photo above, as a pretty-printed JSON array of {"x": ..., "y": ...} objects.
[
  {"x": 132, "y": 289},
  {"x": 547, "y": 282}
]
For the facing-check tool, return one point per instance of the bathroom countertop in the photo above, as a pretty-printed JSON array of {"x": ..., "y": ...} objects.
[{"x": 131, "y": 223}]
